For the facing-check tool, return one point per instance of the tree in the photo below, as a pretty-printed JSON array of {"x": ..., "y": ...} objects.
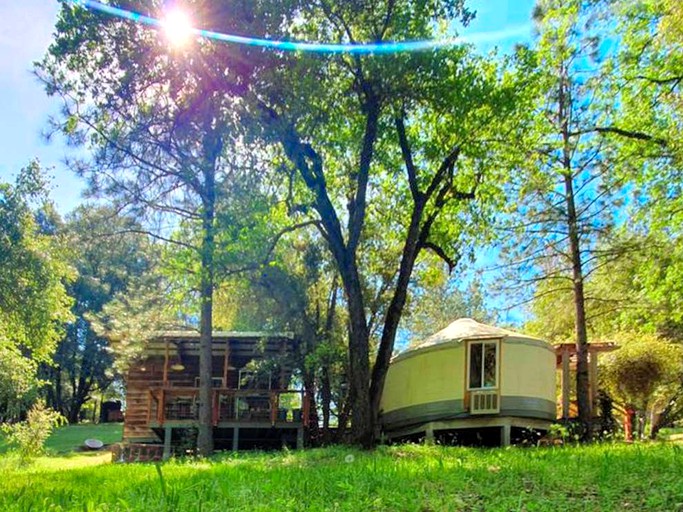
[
  {"x": 162, "y": 136},
  {"x": 645, "y": 373},
  {"x": 388, "y": 154},
  {"x": 108, "y": 253},
  {"x": 33, "y": 301},
  {"x": 568, "y": 190}
]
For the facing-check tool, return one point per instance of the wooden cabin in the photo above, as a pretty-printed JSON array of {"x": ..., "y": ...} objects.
[
  {"x": 251, "y": 409},
  {"x": 470, "y": 381}
]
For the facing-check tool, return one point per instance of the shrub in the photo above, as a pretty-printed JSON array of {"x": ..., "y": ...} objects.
[{"x": 28, "y": 437}]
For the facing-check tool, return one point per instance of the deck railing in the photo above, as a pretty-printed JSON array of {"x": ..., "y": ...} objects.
[{"x": 229, "y": 405}]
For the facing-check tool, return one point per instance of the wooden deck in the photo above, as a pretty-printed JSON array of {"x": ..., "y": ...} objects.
[{"x": 176, "y": 405}]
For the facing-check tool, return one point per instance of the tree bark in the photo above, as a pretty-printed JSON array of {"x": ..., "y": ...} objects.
[
  {"x": 325, "y": 403},
  {"x": 362, "y": 424},
  {"x": 582, "y": 384},
  {"x": 205, "y": 424}
]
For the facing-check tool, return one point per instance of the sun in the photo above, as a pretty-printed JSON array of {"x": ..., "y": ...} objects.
[{"x": 178, "y": 28}]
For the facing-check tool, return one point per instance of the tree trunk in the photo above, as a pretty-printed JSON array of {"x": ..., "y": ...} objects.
[
  {"x": 582, "y": 384},
  {"x": 343, "y": 419},
  {"x": 409, "y": 254},
  {"x": 325, "y": 403},
  {"x": 362, "y": 424},
  {"x": 205, "y": 427},
  {"x": 313, "y": 430}
]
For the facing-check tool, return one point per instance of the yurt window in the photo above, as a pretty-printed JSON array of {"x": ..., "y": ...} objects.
[{"x": 483, "y": 365}]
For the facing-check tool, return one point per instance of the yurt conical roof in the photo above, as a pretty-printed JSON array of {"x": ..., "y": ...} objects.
[{"x": 465, "y": 329}]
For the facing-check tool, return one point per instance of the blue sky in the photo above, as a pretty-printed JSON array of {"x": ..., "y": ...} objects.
[{"x": 25, "y": 32}]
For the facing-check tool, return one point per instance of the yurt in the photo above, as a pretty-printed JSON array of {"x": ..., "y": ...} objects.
[{"x": 470, "y": 383}]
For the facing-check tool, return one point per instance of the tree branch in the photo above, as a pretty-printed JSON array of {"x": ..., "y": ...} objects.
[
  {"x": 623, "y": 133},
  {"x": 407, "y": 156},
  {"x": 451, "y": 262}
]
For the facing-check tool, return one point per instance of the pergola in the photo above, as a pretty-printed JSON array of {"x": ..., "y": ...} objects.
[{"x": 566, "y": 361}]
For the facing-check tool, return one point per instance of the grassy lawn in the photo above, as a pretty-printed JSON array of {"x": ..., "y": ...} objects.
[
  {"x": 70, "y": 438},
  {"x": 414, "y": 478}
]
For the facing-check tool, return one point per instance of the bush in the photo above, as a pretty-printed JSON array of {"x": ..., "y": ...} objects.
[{"x": 28, "y": 437}]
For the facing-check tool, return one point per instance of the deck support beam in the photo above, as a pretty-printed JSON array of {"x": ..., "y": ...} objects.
[
  {"x": 235, "y": 439},
  {"x": 593, "y": 380},
  {"x": 299, "y": 438},
  {"x": 505, "y": 431},
  {"x": 429, "y": 434},
  {"x": 168, "y": 435}
]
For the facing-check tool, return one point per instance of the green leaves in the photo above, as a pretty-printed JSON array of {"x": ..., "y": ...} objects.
[{"x": 33, "y": 301}]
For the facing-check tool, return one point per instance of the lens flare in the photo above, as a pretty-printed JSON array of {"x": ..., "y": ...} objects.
[
  {"x": 178, "y": 28},
  {"x": 292, "y": 46}
]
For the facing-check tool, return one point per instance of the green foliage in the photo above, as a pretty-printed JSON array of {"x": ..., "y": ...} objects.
[
  {"x": 28, "y": 437},
  {"x": 645, "y": 372},
  {"x": 109, "y": 252},
  {"x": 33, "y": 299}
]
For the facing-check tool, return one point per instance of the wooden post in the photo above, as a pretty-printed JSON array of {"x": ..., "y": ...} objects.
[
  {"x": 161, "y": 408},
  {"x": 274, "y": 404},
  {"x": 283, "y": 350},
  {"x": 235, "y": 439},
  {"x": 226, "y": 363},
  {"x": 429, "y": 434},
  {"x": 505, "y": 432},
  {"x": 166, "y": 357},
  {"x": 168, "y": 432},
  {"x": 299, "y": 438},
  {"x": 565, "y": 383},
  {"x": 593, "y": 379},
  {"x": 149, "y": 406},
  {"x": 216, "y": 401}
]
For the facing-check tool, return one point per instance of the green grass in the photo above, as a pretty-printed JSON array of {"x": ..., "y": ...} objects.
[
  {"x": 414, "y": 478},
  {"x": 70, "y": 438}
]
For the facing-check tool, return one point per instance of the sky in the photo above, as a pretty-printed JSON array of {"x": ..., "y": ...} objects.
[{"x": 26, "y": 29}]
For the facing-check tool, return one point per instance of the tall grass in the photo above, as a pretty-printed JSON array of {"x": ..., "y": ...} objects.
[{"x": 415, "y": 478}]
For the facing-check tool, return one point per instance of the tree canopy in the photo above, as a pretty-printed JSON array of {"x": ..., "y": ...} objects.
[{"x": 34, "y": 304}]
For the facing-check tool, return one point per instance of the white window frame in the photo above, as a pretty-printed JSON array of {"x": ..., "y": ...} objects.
[{"x": 493, "y": 341}]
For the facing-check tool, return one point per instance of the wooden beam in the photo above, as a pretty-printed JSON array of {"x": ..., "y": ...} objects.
[
  {"x": 429, "y": 434},
  {"x": 283, "y": 349},
  {"x": 226, "y": 364},
  {"x": 216, "y": 409},
  {"x": 150, "y": 396},
  {"x": 161, "y": 412},
  {"x": 168, "y": 433},
  {"x": 166, "y": 357},
  {"x": 274, "y": 404},
  {"x": 299, "y": 438},
  {"x": 505, "y": 431},
  {"x": 593, "y": 378},
  {"x": 565, "y": 383},
  {"x": 235, "y": 438}
]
